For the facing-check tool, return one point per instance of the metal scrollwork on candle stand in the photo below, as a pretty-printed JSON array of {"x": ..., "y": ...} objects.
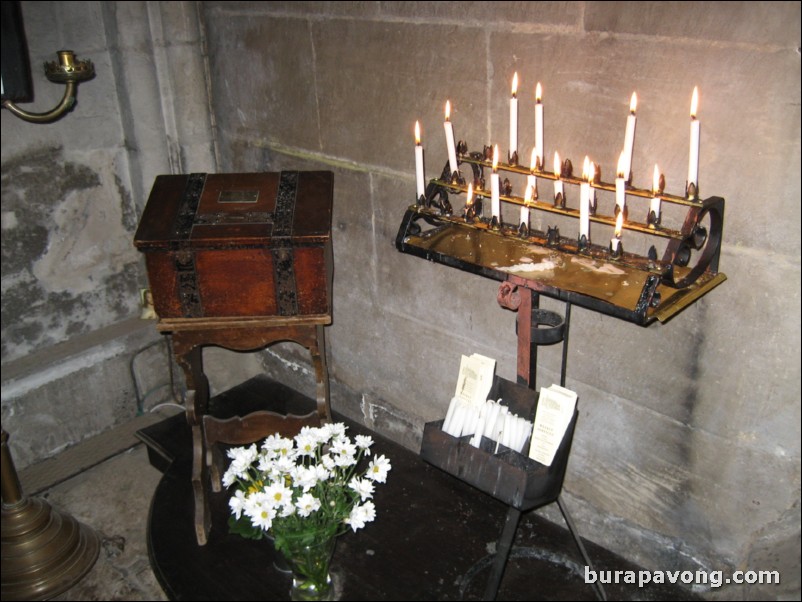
[{"x": 686, "y": 271}]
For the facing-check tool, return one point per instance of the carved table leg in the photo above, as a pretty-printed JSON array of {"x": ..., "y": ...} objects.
[
  {"x": 189, "y": 357},
  {"x": 322, "y": 391}
]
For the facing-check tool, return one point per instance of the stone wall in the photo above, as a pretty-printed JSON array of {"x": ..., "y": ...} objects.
[{"x": 687, "y": 448}]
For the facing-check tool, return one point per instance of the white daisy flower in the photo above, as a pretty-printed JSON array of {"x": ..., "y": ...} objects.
[
  {"x": 307, "y": 504},
  {"x": 378, "y": 469},
  {"x": 364, "y": 442},
  {"x": 363, "y": 487}
]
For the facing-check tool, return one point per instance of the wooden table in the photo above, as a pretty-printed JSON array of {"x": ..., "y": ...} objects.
[
  {"x": 189, "y": 338},
  {"x": 432, "y": 538}
]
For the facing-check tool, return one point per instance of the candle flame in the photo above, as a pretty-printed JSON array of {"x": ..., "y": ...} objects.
[
  {"x": 533, "y": 160},
  {"x": 586, "y": 169},
  {"x": 495, "y": 157},
  {"x": 694, "y": 102},
  {"x": 529, "y": 194},
  {"x": 515, "y": 84},
  {"x": 620, "y": 171},
  {"x": 448, "y": 110},
  {"x": 619, "y": 223},
  {"x": 469, "y": 200},
  {"x": 633, "y": 103},
  {"x": 592, "y": 172},
  {"x": 656, "y": 180},
  {"x": 417, "y": 132},
  {"x": 538, "y": 92},
  {"x": 557, "y": 167}
]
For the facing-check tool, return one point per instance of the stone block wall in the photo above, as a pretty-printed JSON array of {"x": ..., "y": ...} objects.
[{"x": 687, "y": 448}]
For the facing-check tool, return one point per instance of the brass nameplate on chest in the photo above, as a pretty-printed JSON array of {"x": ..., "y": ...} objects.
[{"x": 238, "y": 196}]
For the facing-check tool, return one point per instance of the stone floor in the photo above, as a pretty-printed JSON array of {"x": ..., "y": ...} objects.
[{"x": 107, "y": 483}]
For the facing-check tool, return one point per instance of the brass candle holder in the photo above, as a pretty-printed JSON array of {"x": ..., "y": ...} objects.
[{"x": 687, "y": 270}]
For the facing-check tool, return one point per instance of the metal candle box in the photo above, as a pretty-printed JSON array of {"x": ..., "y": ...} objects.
[
  {"x": 504, "y": 474},
  {"x": 239, "y": 245}
]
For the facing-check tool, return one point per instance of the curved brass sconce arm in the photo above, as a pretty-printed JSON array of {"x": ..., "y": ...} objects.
[{"x": 67, "y": 71}]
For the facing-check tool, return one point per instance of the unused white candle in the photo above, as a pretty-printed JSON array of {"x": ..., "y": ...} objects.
[
  {"x": 419, "y": 178},
  {"x": 514, "y": 115},
  {"x": 528, "y": 196},
  {"x": 450, "y": 414},
  {"x": 495, "y": 201},
  {"x": 655, "y": 204},
  {"x": 584, "y": 202},
  {"x": 620, "y": 184},
  {"x": 452, "y": 149},
  {"x": 693, "y": 160},
  {"x": 629, "y": 138},
  {"x": 558, "y": 183},
  {"x": 539, "y": 124}
]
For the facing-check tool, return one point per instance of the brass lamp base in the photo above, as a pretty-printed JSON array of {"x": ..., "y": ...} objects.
[{"x": 44, "y": 552}]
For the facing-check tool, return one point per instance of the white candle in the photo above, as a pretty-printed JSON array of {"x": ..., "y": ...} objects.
[
  {"x": 615, "y": 242},
  {"x": 514, "y": 116},
  {"x": 539, "y": 124},
  {"x": 558, "y": 183},
  {"x": 655, "y": 204},
  {"x": 452, "y": 149},
  {"x": 584, "y": 203},
  {"x": 693, "y": 161},
  {"x": 629, "y": 138},
  {"x": 450, "y": 414},
  {"x": 528, "y": 196},
  {"x": 531, "y": 179},
  {"x": 495, "y": 201},
  {"x": 620, "y": 184},
  {"x": 419, "y": 178}
]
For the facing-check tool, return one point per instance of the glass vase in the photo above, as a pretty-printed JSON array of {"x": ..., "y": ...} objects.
[{"x": 308, "y": 554}]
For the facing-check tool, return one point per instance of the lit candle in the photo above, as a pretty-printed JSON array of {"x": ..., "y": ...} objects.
[
  {"x": 495, "y": 201},
  {"x": 693, "y": 161},
  {"x": 620, "y": 184},
  {"x": 539, "y": 123},
  {"x": 531, "y": 179},
  {"x": 421, "y": 187},
  {"x": 469, "y": 198},
  {"x": 584, "y": 202},
  {"x": 629, "y": 139},
  {"x": 655, "y": 204},
  {"x": 615, "y": 242},
  {"x": 558, "y": 183},
  {"x": 452, "y": 149},
  {"x": 514, "y": 116},
  {"x": 528, "y": 196}
]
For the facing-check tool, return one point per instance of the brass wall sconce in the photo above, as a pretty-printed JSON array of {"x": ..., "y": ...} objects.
[{"x": 66, "y": 71}]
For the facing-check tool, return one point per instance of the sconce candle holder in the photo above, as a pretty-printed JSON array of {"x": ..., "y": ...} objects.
[{"x": 65, "y": 71}]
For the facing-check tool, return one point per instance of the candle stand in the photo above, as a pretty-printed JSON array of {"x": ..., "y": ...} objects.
[
  {"x": 530, "y": 262},
  {"x": 637, "y": 288}
]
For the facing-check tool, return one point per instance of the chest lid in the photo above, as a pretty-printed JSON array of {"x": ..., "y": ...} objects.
[{"x": 237, "y": 210}]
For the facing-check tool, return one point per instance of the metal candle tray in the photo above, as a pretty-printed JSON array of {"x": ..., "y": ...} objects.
[
  {"x": 636, "y": 288},
  {"x": 506, "y": 475}
]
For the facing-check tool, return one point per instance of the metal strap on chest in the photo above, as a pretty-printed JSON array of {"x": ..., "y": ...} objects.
[
  {"x": 185, "y": 271},
  {"x": 283, "y": 261}
]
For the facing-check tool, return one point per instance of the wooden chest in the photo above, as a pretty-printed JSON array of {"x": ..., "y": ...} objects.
[{"x": 239, "y": 245}]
